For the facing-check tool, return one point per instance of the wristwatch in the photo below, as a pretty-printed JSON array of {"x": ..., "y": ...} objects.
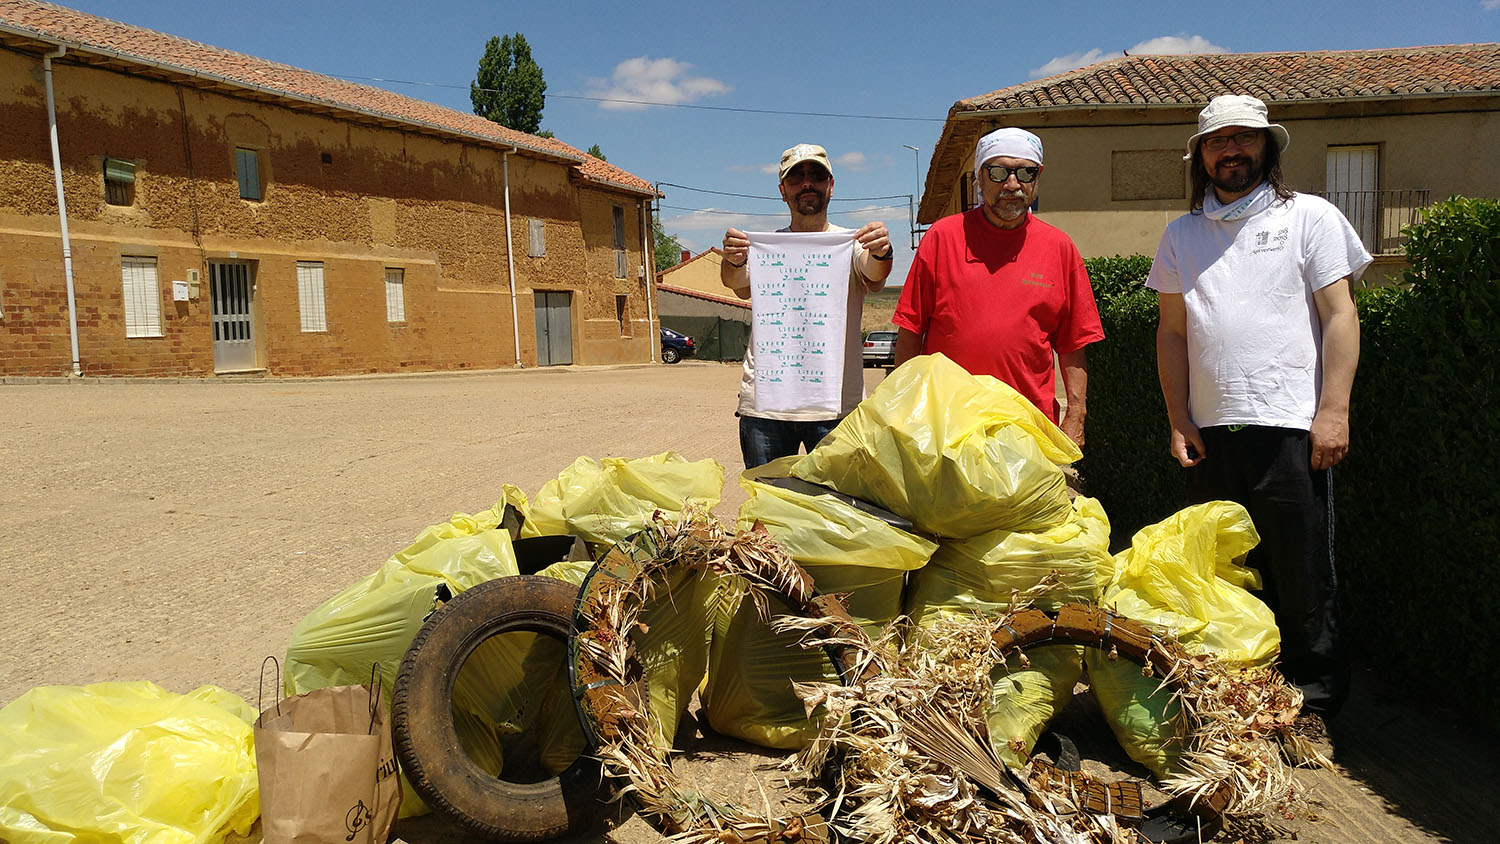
[{"x": 889, "y": 254}]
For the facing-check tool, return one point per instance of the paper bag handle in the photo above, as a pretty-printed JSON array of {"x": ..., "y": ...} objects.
[
  {"x": 375, "y": 684},
  {"x": 260, "y": 692}
]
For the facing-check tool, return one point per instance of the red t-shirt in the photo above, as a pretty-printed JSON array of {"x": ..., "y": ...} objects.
[{"x": 1000, "y": 302}]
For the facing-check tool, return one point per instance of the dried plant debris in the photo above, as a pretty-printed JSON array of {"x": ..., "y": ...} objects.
[{"x": 903, "y": 754}]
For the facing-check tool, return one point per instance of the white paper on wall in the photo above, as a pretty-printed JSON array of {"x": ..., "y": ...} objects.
[{"x": 799, "y": 294}]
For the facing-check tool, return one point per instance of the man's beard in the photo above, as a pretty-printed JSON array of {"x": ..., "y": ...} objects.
[
  {"x": 810, "y": 203},
  {"x": 1010, "y": 207},
  {"x": 1241, "y": 180}
]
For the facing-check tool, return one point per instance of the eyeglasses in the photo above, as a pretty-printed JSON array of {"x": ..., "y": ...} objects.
[
  {"x": 1241, "y": 139},
  {"x": 999, "y": 173}
]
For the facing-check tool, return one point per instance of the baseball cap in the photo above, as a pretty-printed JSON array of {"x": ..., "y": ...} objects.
[{"x": 804, "y": 152}]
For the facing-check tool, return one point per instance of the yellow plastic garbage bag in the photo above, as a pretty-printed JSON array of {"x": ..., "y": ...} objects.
[
  {"x": 848, "y": 552},
  {"x": 980, "y": 574},
  {"x": 958, "y": 454},
  {"x": 1183, "y": 577},
  {"x": 374, "y": 621},
  {"x": 1025, "y": 698},
  {"x": 118, "y": 763},
  {"x": 606, "y": 501}
]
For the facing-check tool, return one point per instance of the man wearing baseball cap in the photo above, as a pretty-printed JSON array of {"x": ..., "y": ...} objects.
[
  {"x": 999, "y": 291},
  {"x": 1256, "y": 351},
  {"x": 806, "y": 184}
]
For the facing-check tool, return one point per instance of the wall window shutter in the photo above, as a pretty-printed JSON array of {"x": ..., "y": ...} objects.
[
  {"x": 395, "y": 294},
  {"x": 247, "y": 168},
  {"x": 310, "y": 296},
  {"x": 142, "y": 297}
]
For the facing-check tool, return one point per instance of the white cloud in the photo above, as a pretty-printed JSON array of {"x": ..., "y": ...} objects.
[
  {"x": 770, "y": 168},
  {"x": 656, "y": 81},
  {"x": 1068, "y": 62},
  {"x": 1178, "y": 45},
  {"x": 716, "y": 220},
  {"x": 1489, "y": 5},
  {"x": 1181, "y": 44}
]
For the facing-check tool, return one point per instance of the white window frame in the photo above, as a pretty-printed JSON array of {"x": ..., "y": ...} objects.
[
  {"x": 537, "y": 235},
  {"x": 395, "y": 294},
  {"x": 141, "y": 288},
  {"x": 311, "y": 303}
]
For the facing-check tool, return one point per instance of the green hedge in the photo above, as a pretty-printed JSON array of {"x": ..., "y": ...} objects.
[
  {"x": 1126, "y": 464},
  {"x": 1418, "y": 498}
]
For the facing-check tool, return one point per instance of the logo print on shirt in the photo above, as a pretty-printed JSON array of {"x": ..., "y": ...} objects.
[
  {"x": 1264, "y": 242},
  {"x": 1035, "y": 279}
]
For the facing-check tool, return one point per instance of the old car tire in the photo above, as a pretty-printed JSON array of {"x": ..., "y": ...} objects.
[
  {"x": 426, "y": 740},
  {"x": 670, "y": 355}
]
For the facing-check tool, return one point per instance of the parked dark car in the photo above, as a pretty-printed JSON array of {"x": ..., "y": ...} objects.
[
  {"x": 880, "y": 348},
  {"x": 675, "y": 346}
]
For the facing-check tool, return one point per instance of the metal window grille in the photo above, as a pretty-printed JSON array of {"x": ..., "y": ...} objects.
[
  {"x": 247, "y": 167},
  {"x": 119, "y": 182},
  {"x": 310, "y": 296},
  {"x": 538, "y": 239},
  {"x": 142, "y": 297},
  {"x": 395, "y": 294}
]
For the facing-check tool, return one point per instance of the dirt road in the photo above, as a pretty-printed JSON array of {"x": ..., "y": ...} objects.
[{"x": 176, "y": 530}]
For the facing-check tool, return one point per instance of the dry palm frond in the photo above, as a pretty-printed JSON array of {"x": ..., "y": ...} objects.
[{"x": 905, "y": 733}]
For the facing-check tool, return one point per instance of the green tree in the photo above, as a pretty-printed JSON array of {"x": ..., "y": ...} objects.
[
  {"x": 668, "y": 250},
  {"x": 509, "y": 88},
  {"x": 598, "y": 153}
]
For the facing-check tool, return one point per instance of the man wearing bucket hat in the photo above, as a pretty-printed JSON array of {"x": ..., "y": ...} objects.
[
  {"x": 999, "y": 292},
  {"x": 1256, "y": 350},
  {"x": 806, "y": 184}
]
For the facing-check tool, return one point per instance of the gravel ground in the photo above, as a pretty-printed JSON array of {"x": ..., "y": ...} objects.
[{"x": 176, "y": 530}]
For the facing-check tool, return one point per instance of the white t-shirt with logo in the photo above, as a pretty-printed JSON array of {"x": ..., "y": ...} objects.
[{"x": 1254, "y": 337}]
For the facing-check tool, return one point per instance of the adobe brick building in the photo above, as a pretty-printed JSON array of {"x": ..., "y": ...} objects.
[
  {"x": 1380, "y": 133},
  {"x": 228, "y": 214}
]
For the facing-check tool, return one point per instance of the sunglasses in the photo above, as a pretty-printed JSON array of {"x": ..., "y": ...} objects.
[
  {"x": 1241, "y": 140},
  {"x": 998, "y": 173},
  {"x": 806, "y": 173}
]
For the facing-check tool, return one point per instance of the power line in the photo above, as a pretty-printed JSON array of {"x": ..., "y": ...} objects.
[
  {"x": 776, "y": 213},
  {"x": 777, "y": 198},
  {"x": 735, "y": 109}
]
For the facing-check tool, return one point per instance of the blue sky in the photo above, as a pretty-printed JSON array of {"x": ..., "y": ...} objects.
[{"x": 883, "y": 60}]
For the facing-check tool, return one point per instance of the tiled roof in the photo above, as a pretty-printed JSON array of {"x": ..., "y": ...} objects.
[
  {"x": 100, "y": 41},
  {"x": 699, "y": 294},
  {"x": 1173, "y": 88},
  {"x": 1273, "y": 77},
  {"x": 680, "y": 264}
]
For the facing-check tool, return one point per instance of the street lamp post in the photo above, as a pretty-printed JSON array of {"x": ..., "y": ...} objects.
[{"x": 917, "y": 164}]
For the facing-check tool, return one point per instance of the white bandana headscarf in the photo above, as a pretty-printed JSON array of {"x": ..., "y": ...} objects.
[
  {"x": 1250, "y": 204},
  {"x": 1009, "y": 142}
]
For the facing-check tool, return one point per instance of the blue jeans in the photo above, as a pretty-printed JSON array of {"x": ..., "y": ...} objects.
[{"x": 764, "y": 440}]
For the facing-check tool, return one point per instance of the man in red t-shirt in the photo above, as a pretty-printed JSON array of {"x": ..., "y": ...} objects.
[{"x": 998, "y": 291}]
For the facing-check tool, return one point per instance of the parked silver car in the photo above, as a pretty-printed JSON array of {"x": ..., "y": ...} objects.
[{"x": 880, "y": 348}]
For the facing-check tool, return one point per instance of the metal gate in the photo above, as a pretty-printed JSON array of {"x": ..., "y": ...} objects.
[
  {"x": 554, "y": 327},
  {"x": 230, "y": 291}
]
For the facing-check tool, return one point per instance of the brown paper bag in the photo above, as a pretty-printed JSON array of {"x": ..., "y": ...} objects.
[{"x": 327, "y": 767}]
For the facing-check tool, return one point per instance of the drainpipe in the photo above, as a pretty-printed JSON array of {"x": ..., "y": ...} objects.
[
  {"x": 510, "y": 254},
  {"x": 62, "y": 205},
  {"x": 648, "y": 265}
]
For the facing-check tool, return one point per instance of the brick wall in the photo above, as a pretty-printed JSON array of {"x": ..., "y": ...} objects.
[{"x": 357, "y": 198}]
